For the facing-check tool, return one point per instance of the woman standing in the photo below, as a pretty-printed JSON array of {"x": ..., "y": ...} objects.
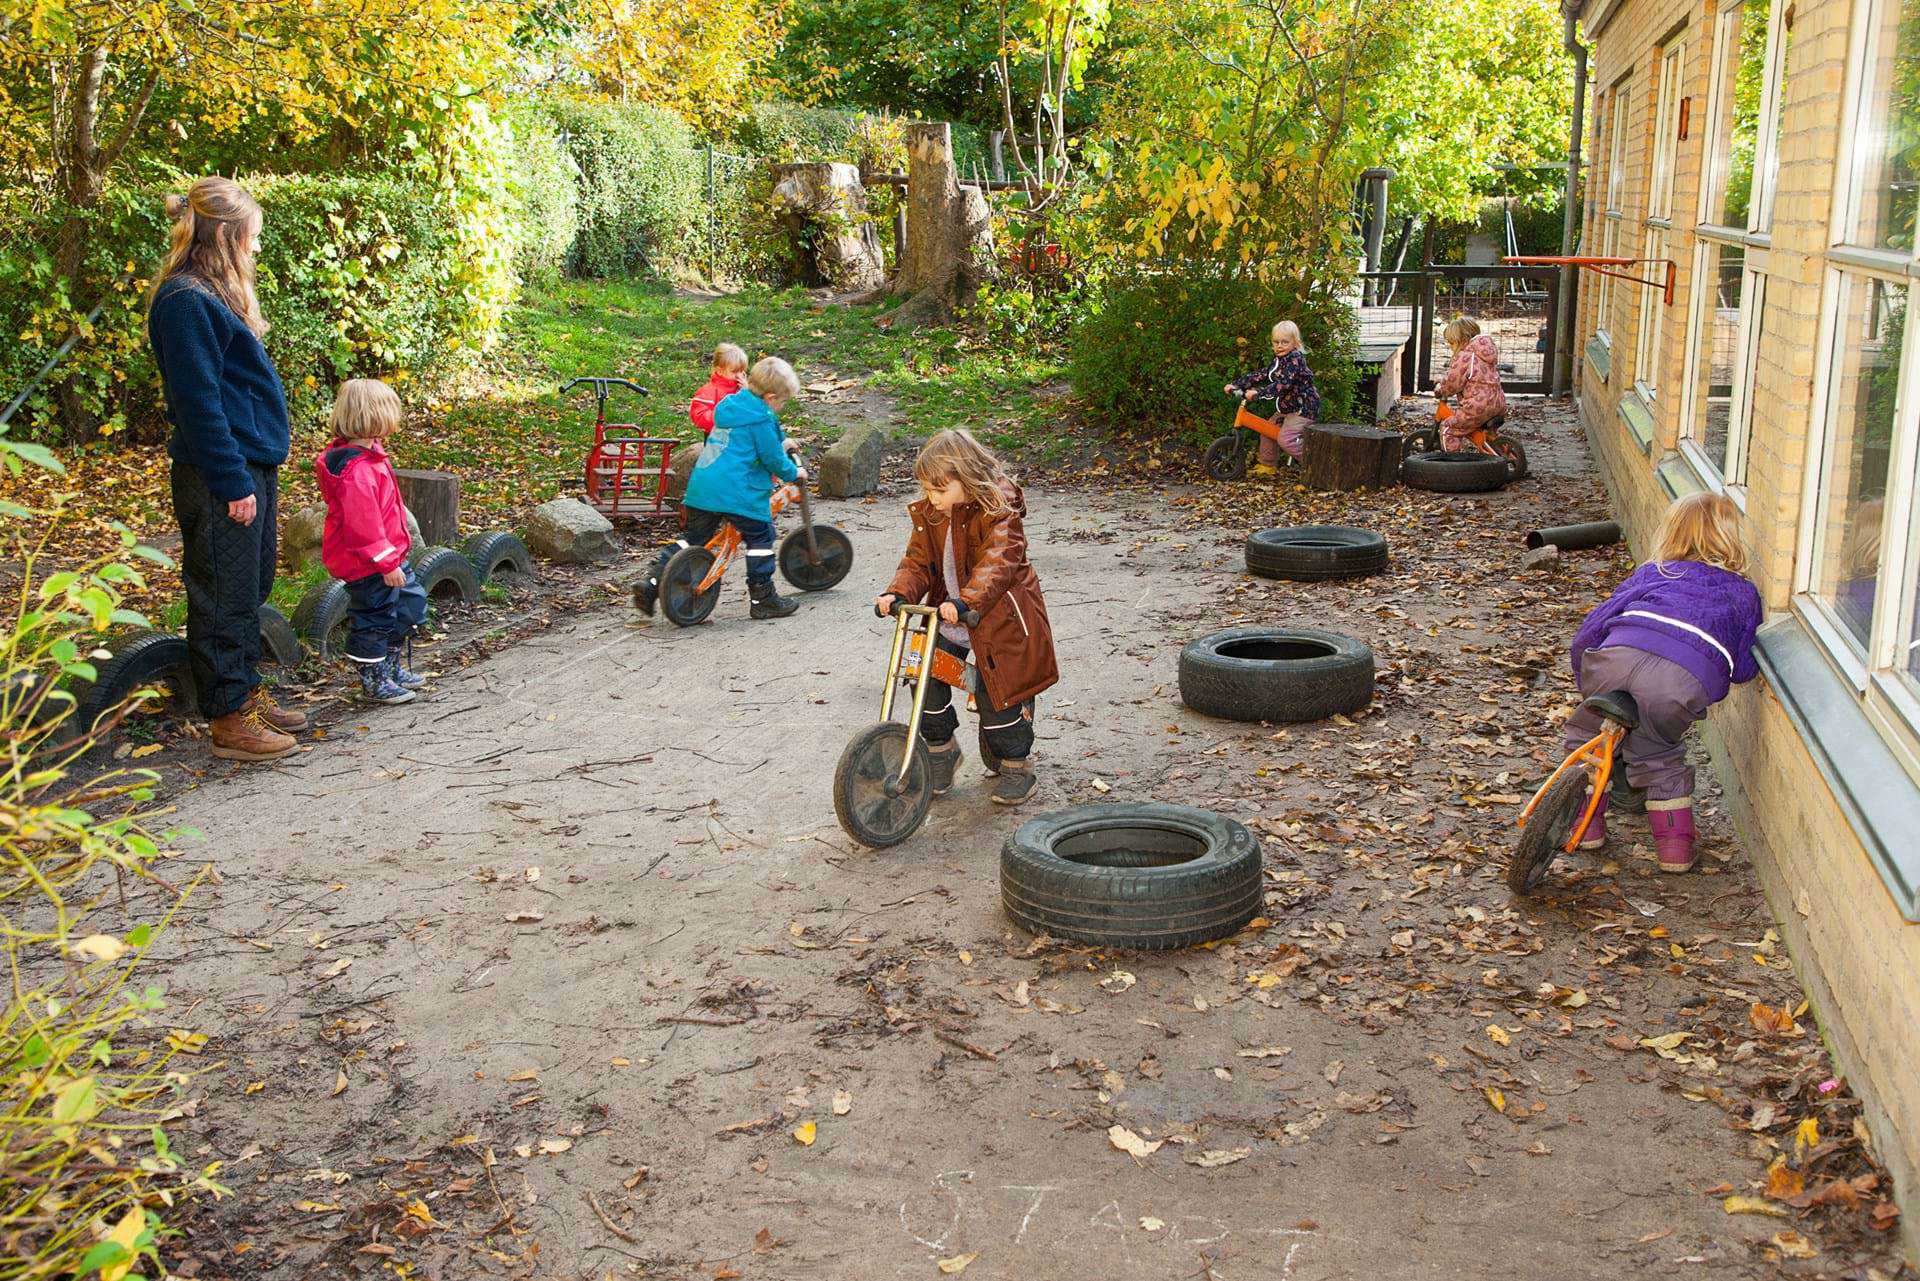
[{"x": 229, "y": 416}]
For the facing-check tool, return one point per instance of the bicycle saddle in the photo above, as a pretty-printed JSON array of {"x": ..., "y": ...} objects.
[
  {"x": 1617, "y": 706},
  {"x": 1496, "y": 422}
]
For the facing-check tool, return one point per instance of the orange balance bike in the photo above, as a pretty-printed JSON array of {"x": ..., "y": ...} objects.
[
  {"x": 1484, "y": 439},
  {"x": 1227, "y": 458},
  {"x": 1553, "y": 821},
  {"x": 813, "y": 558},
  {"x": 883, "y": 785}
]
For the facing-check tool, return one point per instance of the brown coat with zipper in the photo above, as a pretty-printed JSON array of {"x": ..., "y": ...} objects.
[{"x": 1013, "y": 642}]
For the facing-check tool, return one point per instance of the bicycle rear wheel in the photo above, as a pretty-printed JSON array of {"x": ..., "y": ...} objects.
[
  {"x": 680, "y": 598},
  {"x": 1546, "y": 832}
]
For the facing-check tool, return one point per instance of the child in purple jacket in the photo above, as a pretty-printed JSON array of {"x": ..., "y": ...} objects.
[{"x": 1675, "y": 635}]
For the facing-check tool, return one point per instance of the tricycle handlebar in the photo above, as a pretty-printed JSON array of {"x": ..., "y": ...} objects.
[
  {"x": 969, "y": 617},
  {"x": 600, "y": 386}
]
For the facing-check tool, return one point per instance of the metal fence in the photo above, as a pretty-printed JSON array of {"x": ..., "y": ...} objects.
[{"x": 1515, "y": 306}]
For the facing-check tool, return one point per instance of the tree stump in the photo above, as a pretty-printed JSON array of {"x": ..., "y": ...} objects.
[
  {"x": 434, "y": 499},
  {"x": 1341, "y": 458},
  {"x": 949, "y": 248},
  {"x": 824, "y": 209}
]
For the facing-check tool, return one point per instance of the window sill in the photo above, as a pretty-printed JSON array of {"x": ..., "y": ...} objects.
[
  {"x": 1600, "y": 356},
  {"x": 1877, "y": 796},
  {"x": 1700, "y": 473},
  {"x": 1679, "y": 476},
  {"x": 1639, "y": 420}
]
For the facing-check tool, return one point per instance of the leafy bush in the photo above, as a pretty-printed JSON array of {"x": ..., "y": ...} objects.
[
  {"x": 787, "y": 131},
  {"x": 358, "y": 276},
  {"x": 1157, "y": 346},
  {"x": 85, "y": 1079},
  {"x": 642, "y": 185},
  {"x": 544, "y": 182}
]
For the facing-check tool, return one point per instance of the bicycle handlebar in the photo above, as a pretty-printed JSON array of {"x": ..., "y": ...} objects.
[
  {"x": 600, "y": 386},
  {"x": 968, "y": 617}
]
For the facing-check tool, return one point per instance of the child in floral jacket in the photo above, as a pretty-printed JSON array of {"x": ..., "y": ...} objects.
[
  {"x": 1473, "y": 377},
  {"x": 1288, "y": 382}
]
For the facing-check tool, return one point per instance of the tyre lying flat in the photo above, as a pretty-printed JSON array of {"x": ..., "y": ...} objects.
[
  {"x": 1280, "y": 674},
  {"x": 1316, "y": 553},
  {"x": 1149, "y": 877}
]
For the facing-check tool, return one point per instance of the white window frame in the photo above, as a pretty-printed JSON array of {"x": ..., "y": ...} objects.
[
  {"x": 1754, "y": 236},
  {"x": 1663, "y": 158},
  {"x": 1889, "y": 704},
  {"x": 1611, "y": 214}
]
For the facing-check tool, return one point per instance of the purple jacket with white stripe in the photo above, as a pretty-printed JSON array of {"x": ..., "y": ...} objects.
[{"x": 1699, "y": 616}]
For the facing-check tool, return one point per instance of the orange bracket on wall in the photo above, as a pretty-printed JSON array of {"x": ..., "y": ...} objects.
[{"x": 1599, "y": 266}]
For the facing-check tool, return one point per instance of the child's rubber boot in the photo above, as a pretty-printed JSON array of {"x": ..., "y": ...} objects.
[
  {"x": 378, "y": 686},
  {"x": 1673, "y": 833},
  {"x": 946, "y": 762},
  {"x": 398, "y": 670},
  {"x": 767, "y": 603},
  {"x": 245, "y": 735},
  {"x": 646, "y": 594},
  {"x": 1625, "y": 797},
  {"x": 1595, "y": 835},
  {"x": 1015, "y": 784},
  {"x": 1265, "y": 469}
]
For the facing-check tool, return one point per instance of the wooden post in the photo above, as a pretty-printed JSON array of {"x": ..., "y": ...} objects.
[
  {"x": 434, "y": 499},
  {"x": 1340, "y": 458}
]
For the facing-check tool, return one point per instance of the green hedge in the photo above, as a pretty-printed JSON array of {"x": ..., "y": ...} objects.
[
  {"x": 357, "y": 277},
  {"x": 1157, "y": 347},
  {"x": 544, "y": 183},
  {"x": 642, "y": 186}
]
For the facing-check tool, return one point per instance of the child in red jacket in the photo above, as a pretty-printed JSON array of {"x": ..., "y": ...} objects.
[
  {"x": 365, "y": 543},
  {"x": 729, "y": 367}
]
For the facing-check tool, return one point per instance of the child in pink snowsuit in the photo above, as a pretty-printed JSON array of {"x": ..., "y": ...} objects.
[{"x": 1472, "y": 382}]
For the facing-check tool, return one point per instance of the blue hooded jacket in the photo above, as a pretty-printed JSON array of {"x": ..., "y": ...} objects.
[{"x": 741, "y": 460}]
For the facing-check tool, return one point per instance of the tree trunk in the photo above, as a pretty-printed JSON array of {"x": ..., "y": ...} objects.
[
  {"x": 434, "y": 499},
  {"x": 1340, "y": 458},
  {"x": 824, "y": 209},
  {"x": 949, "y": 247}
]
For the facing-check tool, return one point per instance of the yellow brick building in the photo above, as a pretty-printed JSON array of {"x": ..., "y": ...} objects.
[{"x": 1770, "y": 150}]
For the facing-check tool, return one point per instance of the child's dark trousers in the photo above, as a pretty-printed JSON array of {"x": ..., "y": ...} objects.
[
  {"x": 702, "y": 525},
  {"x": 382, "y": 617},
  {"x": 1008, "y": 731}
]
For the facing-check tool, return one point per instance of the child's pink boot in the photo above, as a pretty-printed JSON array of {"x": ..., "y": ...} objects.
[
  {"x": 1596, "y": 834},
  {"x": 1672, "y": 824}
]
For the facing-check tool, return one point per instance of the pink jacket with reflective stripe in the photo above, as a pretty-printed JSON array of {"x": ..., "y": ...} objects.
[{"x": 366, "y": 529}]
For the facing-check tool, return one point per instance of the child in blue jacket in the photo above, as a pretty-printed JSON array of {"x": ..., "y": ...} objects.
[{"x": 732, "y": 484}]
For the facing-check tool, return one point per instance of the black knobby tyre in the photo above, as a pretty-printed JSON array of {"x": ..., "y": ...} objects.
[
  {"x": 490, "y": 553},
  {"x": 1226, "y": 458},
  {"x": 1314, "y": 553},
  {"x": 684, "y": 606},
  {"x": 140, "y": 660},
  {"x": 445, "y": 575},
  {"x": 1280, "y": 674},
  {"x": 321, "y": 617},
  {"x": 1423, "y": 440},
  {"x": 1454, "y": 472},
  {"x": 279, "y": 642},
  {"x": 1546, "y": 831},
  {"x": 836, "y": 559},
  {"x": 1149, "y": 877},
  {"x": 865, "y": 811},
  {"x": 1515, "y": 456}
]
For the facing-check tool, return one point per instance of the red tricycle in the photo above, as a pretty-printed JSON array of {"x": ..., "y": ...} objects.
[
  {"x": 812, "y": 558},
  {"x": 1226, "y": 458},
  {"x": 626, "y": 470}
]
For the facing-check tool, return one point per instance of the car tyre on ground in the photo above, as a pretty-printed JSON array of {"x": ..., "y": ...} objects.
[
  {"x": 1454, "y": 472},
  {"x": 1315, "y": 553},
  {"x": 1145, "y": 876},
  {"x": 1279, "y": 674}
]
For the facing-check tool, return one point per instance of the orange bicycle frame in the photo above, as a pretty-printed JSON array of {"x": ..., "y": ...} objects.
[
  {"x": 1244, "y": 417},
  {"x": 1596, "y": 757},
  {"x": 725, "y": 545}
]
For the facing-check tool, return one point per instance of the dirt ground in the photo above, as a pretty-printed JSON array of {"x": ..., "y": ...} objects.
[{"x": 568, "y": 971}]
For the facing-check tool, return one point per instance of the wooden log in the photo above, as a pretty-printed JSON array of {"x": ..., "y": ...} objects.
[
  {"x": 434, "y": 499},
  {"x": 1341, "y": 457}
]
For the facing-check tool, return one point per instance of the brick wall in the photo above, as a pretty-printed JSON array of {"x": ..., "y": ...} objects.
[{"x": 1859, "y": 959}]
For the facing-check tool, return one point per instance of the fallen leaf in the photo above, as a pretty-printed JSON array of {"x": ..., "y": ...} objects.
[
  {"x": 1100, "y": 786},
  {"x": 804, "y": 1134},
  {"x": 254, "y": 1087},
  {"x": 525, "y": 1074},
  {"x": 764, "y": 1242},
  {"x": 1215, "y": 1159},
  {"x": 966, "y": 957},
  {"x": 1753, "y": 1205},
  {"x": 1267, "y": 1052},
  {"x": 1497, "y": 1099},
  {"x": 619, "y": 1061},
  {"x": 724, "y": 1272},
  {"x": 842, "y": 1102},
  {"x": 1793, "y": 1245},
  {"x": 1150, "y": 1223},
  {"x": 1118, "y": 981},
  {"x": 554, "y": 1147},
  {"x": 1807, "y": 1134},
  {"x": 315, "y": 1207},
  {"x": 532, "y": 874},
  {"x": 1498, "y": 1034},
  {"x": 526, "y": 918},
  {"x": 958, "y": 1263},
  {"x": 338, "y": 968},
  {"x": 418, "y": 1209},
  {"x": 340, "y": 1084},
  {"x": 1130, "y": 1143},
  {"x": 1784, "y": 1183},
  {"x": 1020, "y": 996},
  {"x": 100, "y": 947}
]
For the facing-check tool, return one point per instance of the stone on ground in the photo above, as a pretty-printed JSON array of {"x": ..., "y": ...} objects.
[
  {"x": 568, "y": 531},
  {"x": 300, "y": 536},
  {"x": 1547, "y": 557},
  {"x": 852, "y": 466}
]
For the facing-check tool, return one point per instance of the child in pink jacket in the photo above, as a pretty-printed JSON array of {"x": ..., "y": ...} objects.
[
  {"x": 365, "y": 543},
  {"x": 1472, "y": 382}
]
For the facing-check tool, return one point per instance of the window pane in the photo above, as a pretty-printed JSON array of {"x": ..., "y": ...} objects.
[
  {"x": 1717, "y": 362},
  {"x": 1762, "y": 217},
  {"x": 1907, "y": 660},
  {"x": 1736, "y": 133},
  {"x": 1866, "y": 377},
  {"x": 1617, "y": 134},
  {"x": 1889, "y": 140}
]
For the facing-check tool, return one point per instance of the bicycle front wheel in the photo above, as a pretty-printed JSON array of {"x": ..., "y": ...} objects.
[{"x": 1546, "y": 832}]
